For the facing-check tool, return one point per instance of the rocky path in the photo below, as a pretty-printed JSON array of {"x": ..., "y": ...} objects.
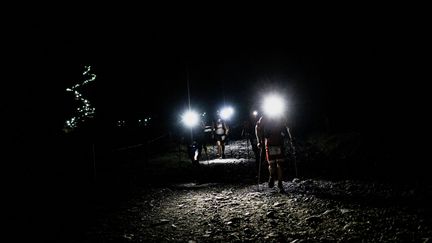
[
  {"x": 310, "y": 211},
  {"x": 228, "y": 206}
]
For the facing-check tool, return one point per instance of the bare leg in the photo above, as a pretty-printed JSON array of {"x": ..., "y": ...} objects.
[
  {"x": 196, "y": 155},
  {"x": 279, "y": 170},
  {"x": 280, "y": 175},
  {"x": 272, "y": 172},
  {"x": 219, "y": 148}
]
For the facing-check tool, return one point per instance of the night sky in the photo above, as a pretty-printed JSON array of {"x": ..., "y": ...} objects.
[
  {"x": 343, "y": 73},
  {"x": 145, "y": 68}
]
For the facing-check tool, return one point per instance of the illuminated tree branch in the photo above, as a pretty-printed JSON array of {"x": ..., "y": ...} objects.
[{"x": 85, "y": 111}]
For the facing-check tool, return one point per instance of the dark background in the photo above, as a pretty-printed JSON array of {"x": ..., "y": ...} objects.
[
  {"x": 350, "y": 75},
  {"x": 340, "y": 77},
  {"x": 340, "y": 73}
]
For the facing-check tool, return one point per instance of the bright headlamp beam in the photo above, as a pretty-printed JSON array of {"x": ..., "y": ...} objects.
[
  {"x": 226, "y": 113},
  {"x": 273, "y": 106},
  {"x": 190, "y": 118}
]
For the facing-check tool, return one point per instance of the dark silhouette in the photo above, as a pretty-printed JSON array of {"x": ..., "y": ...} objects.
[
  {"x": 207, "y": 137},
  {"x": 248, "y": 133},
  {"x": 270, "y": 133},
  {"x": 221, "y": 132}
]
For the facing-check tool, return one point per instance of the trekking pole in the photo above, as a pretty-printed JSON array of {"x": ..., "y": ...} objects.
[
  {"x": 293, "y": 151},
  {"x": 179, "y": 151},
  {"x": 295, "y": 157},
  {"x": 247, "y": 148},
  {"x": 259, "y": 168}
]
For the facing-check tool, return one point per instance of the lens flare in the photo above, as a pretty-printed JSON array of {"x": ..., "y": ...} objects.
[
  {"x": 273, "y": 106},
  {"x": 190, "y": 118},
  {"x": 226, "y": 113}
]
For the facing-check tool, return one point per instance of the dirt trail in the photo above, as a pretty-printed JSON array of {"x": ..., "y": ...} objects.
[{"x": 311, "y": 210}]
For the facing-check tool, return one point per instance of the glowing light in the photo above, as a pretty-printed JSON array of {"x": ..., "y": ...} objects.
[
  {"x": 255, "y": 113},
  {"x": 273, "y": 106},
  {"x": 120, "y": 123},
  {"x": 226, "y": 113},
  {"x": 85, "y": 111},
  {"x": 190, "y": 118}
]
